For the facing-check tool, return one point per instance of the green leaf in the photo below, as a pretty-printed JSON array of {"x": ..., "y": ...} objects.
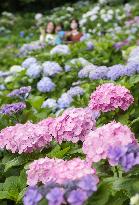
[
  {"x": 5, "y": 195},
  {"x": 36, "y": 101},
  {"x": 21, "y": 195},
  {"x": 58, "y": 152}
]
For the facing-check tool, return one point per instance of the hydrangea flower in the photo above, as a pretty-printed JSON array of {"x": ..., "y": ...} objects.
[
  {"x": 51, "y": 68},
  {"x": 74, "y": 91},
  {"x": 108, "y": 97},
  {"x": 77, "y": 197},
  {"x": 60, "y": 49},
  {"x": 32, "y": 196},
  {"x": 45, "y": 85},
  {"x": 34, "y": 71},
  {"x": 50, "y": 103},
  {"x": 116, "y": 72},
  {"x": 28, "y": 62},
  {"x": 10, "y": 109},
  {"x": 64, "y": 101},
  {"x": 21, "y": 92},
  {"x": 126, "y": 156},
  {"x": 97, "y": 143},
  {"x": 73, "y": 125},
  {"x": 55, "y": 196},
  {"x": 67, "y": 68},
  {"x": 57, "y": 170},
  {"x": 2, "y": 87},
  {"x": 84, "y": 73},
  {"x": 24, "y": 137},
  {"x": 89, "y": 45},
  {"x": 99, "y": 72}
]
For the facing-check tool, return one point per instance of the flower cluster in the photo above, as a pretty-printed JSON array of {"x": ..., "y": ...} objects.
[
  {"x": 73, "y": 125},
  {"x": 45, "y": 85},
  {"x": 24, "y": 137},
  {"x": 34, "y": 70},
  {"x": 21, "y": 92},
  {"x": 64, "y": 101},
  {"x": 108, "y": 97},
  {"x": 10, "y": 109},
  {"x": 50, "y": 103},
  {"x": 125, "y": 156},
  {"x": 71, "y": 192},
  {"x": 60, "y": 49},
  {"x": 57, "y": 170},
  {"x": 29, "y": 61},
  {"x": 97, "y": 143},
  {"x": 27, "y": 48},
  {"x": 75, "y": 91},
  {"x": 51, "y": 68}
]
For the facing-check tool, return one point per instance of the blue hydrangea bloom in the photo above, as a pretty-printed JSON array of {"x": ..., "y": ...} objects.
[
  {"x": 45, "y": 85},
  {"x": 64, "y": 101},
  {"x": 50, "y": 103},
  {"x": 74, "y": 91},
  {"x": 51, "y": 68},
  {"x": 34, "y": 71},
  {"x": 99, "y": 72},
  {"x": 29, "y": 61},
  {"x": 2, "y": 87},
  {"x": 77, "y": 197},
  {"x": 67, "y": 68},
  {"x": 116, "y": 72}
]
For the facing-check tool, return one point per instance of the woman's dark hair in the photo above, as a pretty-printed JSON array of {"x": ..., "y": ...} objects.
[
  {"x": 60, "y": 24},
  {"x": 77, "y": 21}
]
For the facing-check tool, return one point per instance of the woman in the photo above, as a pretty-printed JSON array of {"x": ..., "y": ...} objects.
[
  {"x": 50, "y": 37},
  {"x": 74, "y": 35}
]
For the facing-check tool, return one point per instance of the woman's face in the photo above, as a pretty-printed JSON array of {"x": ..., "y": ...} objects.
[
  {"x": 50, "y": 27},
  {"x": 74, "y": 25}
]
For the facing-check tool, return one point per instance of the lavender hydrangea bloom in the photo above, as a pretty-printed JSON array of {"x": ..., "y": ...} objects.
[
  {"x": 64, "y": 101},
  {"x": 67, "y": 68},
  {"x": 60, "y": 49},
  {"x": 84, "y": 73},
  {"x": 74, "y": 91},
  {"x": 29, "y": 61},
  {"x": 130, "y": 69},
  {"x": 55, "y": 196},
  {"x": 21, "y": 92},
  {"x": 88, "y": 183},
  {"x": 85, "y": 37},
  {"x": 10, "y": 109},
  {"x": 127, "y": 156},
  {"x": 89, "y": 45},
  {"x": 34, "y": 71},
  {"x": 51, "y": 68},
  {"x": 77, "y": 197},
  {"x": 2, "y": 87},
  {"x": 50, "y": 103},
  {"x": 99, "y": 72},
  {"x": 45, "y": 85},
  {"x": 116, "y": 72},
  {"x": 32, "y": 196}
]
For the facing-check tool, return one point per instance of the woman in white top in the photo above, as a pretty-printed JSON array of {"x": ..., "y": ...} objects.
[{"x": 50, "y": 37}]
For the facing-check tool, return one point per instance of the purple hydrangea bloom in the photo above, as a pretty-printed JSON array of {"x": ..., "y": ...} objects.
[
  {"x": 77, "y": 197},
  {"x": 88, "y": 183},
  {"x": 28, "y": 62},
  {"x": 45, "y": 85},
  {"x": 51, "y": 68},
  {"x": 130, "y": 69},
  {"x": 22, "y": 34},
  {"x": 74, "y": 91},
  {"x": 21, "y": 92},
  {"x": 64, "y": 101},
  {"x": 84, "y": 73},
  {"x": 116, "y": 71},
  {"x": 89, "y": 45},
  {"x": 99, "y": 72},
  {"x": 127, "y": 156},
  {"x": 10, "y": 109},
  {"x": 32, "y": 196},
  {"x": 34, "y": 71},
  {"x": 55, "y": 196}
]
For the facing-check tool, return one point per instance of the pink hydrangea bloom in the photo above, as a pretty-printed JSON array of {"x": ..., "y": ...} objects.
[
  {"x": 97, "y": 142},
  {"x": 57, "y": 170},
  {"x": 108, "y": 97},
  {"x": 73, "y": 125},
  {"x": 47, "y": 123},
  {"x": 24, "y": 137}
]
